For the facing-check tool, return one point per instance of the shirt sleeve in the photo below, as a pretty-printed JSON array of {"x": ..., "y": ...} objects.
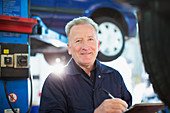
[
  {"x": 126, "y": 94},
  {"x": 52, "y": 97}
]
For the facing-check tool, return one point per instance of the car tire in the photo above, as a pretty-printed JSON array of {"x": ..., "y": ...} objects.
[
  {"x": 111, "y": 37},
  {"x": 155, "y": 46}
]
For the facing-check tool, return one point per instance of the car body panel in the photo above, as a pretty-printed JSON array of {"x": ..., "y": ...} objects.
[{"x": 56, "y": 13}]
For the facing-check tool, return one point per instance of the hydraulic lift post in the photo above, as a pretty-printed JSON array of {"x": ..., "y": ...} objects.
[{"x": 14, "y": 55}]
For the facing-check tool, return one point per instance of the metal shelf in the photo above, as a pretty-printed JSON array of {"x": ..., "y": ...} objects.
[{"x": 16, "y": 24}]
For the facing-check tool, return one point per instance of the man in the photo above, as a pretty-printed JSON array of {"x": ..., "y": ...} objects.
[{"x": 80, "y": 88}]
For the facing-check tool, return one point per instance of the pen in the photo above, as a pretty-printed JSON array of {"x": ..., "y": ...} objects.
[
  {"x": 113, "y": 97},
  {"x": 108, "y": 93}
]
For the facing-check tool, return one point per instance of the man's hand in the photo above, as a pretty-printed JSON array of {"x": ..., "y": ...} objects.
[{"x": 112, "y": 106}]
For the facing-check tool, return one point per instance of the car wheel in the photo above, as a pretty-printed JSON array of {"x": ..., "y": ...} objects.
[
  {"x": 111, "y": 37},
  {"x": 155, "y": 46}
]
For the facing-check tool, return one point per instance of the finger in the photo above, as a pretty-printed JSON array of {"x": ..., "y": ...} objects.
[
  {"x": 115, "y": 104},
  {"x": 116, "y": 111},
  {"x": 118, "y": 106},
  {"x": 122, "y": 102}
]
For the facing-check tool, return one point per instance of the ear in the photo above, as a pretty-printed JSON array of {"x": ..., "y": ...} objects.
[
  {"x": 69, "y": 49},
  {"x": 98, "y": 45}
]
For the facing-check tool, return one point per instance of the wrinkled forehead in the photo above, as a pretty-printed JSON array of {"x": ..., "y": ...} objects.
[
  {"x": 81, "y": 25},
  {"x": 83, "y": 29}
]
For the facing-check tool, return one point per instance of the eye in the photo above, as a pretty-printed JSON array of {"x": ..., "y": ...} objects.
[
  {"x": 90, "y": 39},
  {"x": 78, "y": 41}
]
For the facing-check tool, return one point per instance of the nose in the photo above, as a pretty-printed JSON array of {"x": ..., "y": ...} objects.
[{"x": 85, "y": 45}]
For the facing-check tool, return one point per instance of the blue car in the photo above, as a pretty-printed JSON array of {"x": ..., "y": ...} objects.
[{"x": 116, "y": 21}]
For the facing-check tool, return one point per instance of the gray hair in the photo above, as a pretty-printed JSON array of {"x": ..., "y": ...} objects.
[{"x": 77, "y": 21}]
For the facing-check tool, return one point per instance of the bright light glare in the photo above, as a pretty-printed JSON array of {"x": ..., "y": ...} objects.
[
  {"x": 58, "y": 60},
  {"x": 58, "y": 68}
]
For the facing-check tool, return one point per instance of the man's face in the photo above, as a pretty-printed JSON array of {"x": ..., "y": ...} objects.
[{"x": 83, "y": 44}]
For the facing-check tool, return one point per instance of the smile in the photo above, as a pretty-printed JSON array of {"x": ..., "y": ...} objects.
[{"x": 85, "y": 53}]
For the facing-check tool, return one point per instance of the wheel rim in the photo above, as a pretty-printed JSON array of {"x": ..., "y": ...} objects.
[{"x": 111, "y": 39}]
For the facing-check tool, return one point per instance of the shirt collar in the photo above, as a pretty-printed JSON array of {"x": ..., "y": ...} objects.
[
  {"x": 80, "y": 69},
  {"x": 74, "y": 69}
]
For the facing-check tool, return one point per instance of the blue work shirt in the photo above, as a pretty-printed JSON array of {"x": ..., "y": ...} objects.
[{"x": 72, "y": 92}]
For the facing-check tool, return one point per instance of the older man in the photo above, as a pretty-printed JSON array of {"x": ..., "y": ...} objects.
[{"x": 80, "y": 88}]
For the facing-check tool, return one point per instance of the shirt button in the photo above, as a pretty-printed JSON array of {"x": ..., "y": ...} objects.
[{"x": 99, "y": 76}]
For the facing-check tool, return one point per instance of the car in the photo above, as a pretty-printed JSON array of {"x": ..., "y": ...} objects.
[{"x": 116, "y": 21}]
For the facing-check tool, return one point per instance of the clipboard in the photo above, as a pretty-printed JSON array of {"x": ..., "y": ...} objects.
[{"x": 145, "y": 108}]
